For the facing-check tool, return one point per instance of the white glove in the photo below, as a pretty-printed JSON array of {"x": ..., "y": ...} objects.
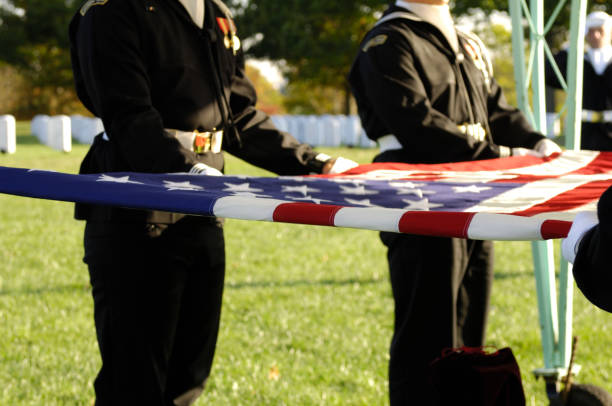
[
  {"x": 583, "y": 222},
  {"x": 203, "y": 169},
  {"x": 525, "y": 151},
  {"x": 547, "y": 147},
  {"x": 342, "y": 165}
]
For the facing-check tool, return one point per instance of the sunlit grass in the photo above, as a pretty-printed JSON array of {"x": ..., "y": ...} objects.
[{"x": 307, "y": 313}]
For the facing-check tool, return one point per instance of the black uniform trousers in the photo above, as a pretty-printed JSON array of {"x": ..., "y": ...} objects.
[
  {"x": 157, "y": 293},
  {"x": 441, "y": 288}
]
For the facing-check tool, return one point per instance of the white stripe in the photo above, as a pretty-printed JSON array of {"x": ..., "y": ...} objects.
[
  {"x": 564, "y": 163},
  {"x": 500, "y": 227},
  {"x": 369, "y": 218},
  {"x": 246, "y": 208},
  {"x": 534, "y": 193}
]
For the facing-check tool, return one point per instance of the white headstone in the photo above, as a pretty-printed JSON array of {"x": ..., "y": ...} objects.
[
  {"x": 309, "y": 129},
  {"x": 8, "y": 134},
  {"x": 40, "y": 127},
  {"x": 280, "y": 121},
  {"x": 60, "y": 134},
  {"x": 329, "y": 131}
]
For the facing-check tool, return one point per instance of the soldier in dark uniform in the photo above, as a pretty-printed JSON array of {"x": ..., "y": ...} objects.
[
  {"x": 596, "y": 129},
  {"x": 167, "y": 79},
  {"x": 589, "y": 247},
  {"x": 426, "y": 93}
]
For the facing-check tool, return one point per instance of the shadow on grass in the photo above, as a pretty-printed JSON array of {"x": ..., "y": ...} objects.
[
  {"x": 30, "y": 291},
  {"x": 27, "y": 140},
  {"x": 303, "y": 282},
  {"x": 512, "y": 275}
]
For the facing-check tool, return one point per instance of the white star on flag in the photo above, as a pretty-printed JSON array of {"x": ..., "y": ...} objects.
[
  {"x": 406, "y": 185},
  {"x": 470, "y": 189},
  {"x": 181, "y": 186},
  {"x": 309, "y": 198},
  {"x": 348, "y": 180},
  {"x": 364, "y": 202},
  {"x": 304, "y": 189},
  {"x": 297, "y": 178},
  {"x": 123, "y": 179},
  {"x": 240, "y": 188},
  {"x": 420, "y": 205},
  {"x": 357, "y": 190}
]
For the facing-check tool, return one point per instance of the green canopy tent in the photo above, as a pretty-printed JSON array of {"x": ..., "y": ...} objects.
[{"x": 555, "y": 308}]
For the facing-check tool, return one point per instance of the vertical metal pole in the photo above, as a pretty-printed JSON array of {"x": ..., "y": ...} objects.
[
  {"x": 543, "y": 250},
  {"x": 572, "y": 134},
  {"x": 518, "y": 55}
]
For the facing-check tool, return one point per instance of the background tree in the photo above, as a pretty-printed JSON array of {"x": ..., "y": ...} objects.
[
  {"x": 34, "y": 41},
  {"x": 269, "y": 99},
  {"x": 317, "y": 38}
]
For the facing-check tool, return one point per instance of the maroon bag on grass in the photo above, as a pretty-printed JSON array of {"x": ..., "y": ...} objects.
[{"x": 472, "y": 376}]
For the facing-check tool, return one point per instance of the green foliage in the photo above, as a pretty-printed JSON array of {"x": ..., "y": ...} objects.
[
  {"x": 307, "y": 311},
  {"x": 269, "y": 99},
  {"x": 318, "y": 38},
  {"x": 35, "y": 42}
]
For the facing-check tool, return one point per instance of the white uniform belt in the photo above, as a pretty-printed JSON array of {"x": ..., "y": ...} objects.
[
  {"x": 195, "y": 141},
  {"x": 388, "y": 142},
  {"x": 593, "y": 116}
]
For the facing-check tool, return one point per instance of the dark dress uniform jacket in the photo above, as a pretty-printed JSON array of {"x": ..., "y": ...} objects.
[
  {"x": 593, "y": 264},
  {"x": 400, "y": 91},
  {"x": 152, "y": 68},
  {"x": 596, "y": 96}
]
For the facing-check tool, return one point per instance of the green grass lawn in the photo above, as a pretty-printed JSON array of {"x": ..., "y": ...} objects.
[{"x": 307, "y": 313}]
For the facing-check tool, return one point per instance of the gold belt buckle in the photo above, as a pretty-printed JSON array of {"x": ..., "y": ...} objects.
[
  {"x": 207, "y": 141},
  {"x": 598, "y": 116},
  {"x": 201, "y": 142}
]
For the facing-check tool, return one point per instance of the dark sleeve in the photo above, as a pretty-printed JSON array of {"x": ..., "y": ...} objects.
[
  {"x": 593, "y": 264},
  {"x": 509, "y": 126},
  {"x": 262, "y": 144},
  {"x": 391, "y": 84},
  {"x": 114, "y": 84},
  {"x": 550, "y": 75}
]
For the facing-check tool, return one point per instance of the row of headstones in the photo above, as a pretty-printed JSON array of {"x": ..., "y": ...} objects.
[
  {"x": 57, "y": 131},
  {"x": 325, "y": 130}
]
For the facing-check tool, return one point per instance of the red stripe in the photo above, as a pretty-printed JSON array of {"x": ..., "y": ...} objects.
[
  {"x": 306, "y": 213},
  {"x": 497, "y": 164},
  {"x": 223, "y": 25},
  {"x": 602, "y": 163},
  {"x": 436, "y": 223},
  {"x": 571, "y": 199},
  {"x": 555, "y": 229}
]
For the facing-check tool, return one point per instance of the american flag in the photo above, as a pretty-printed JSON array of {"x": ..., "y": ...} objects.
[{"x": 516, "y": 198}]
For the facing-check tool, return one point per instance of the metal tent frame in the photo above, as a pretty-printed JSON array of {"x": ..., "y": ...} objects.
[{"x": 555, "y": 315}]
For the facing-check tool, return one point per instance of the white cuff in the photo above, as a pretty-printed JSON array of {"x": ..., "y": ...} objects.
[
  {"x": 342, "y": 165},
  {"x": 583, "y": 222},
  {"x": 203, "y": 169}
]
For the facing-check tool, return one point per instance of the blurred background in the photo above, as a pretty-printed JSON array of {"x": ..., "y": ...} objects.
[{"x": 299, "y": 52}]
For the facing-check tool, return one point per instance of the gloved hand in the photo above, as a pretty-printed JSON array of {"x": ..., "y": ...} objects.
[
  {"x": 583, "y": 222},
  {"x": 338, "y": 165},
  {"x": 203, "y": 169},
  {"x": 525, "y": 151},
  {"x": 547, "y": 147}
]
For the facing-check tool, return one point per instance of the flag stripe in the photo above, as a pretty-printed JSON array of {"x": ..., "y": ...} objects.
[
  {"x": 371, "y": 218},
  {"x": 306, "y": 213},
  {"x": 555, "y": 229},
  {"x": 436, "y": 223},
  {"x": 568, "y": 200}
]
